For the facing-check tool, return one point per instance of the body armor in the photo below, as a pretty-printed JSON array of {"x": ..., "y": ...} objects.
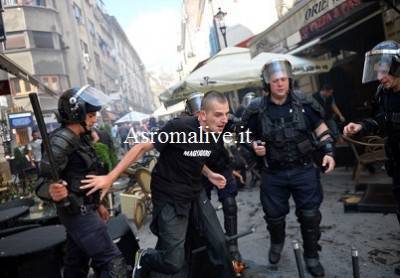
[
  {"x": 288, "y": 140},
  {"x": 74, "y": 158}
]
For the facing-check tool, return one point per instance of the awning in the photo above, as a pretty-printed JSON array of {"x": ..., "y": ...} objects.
[
  {"x": 11, "y": 67},
  {"x": 306, "y": 21},
  {"x": 163, "y": 111},
  {"x": 133, "y": 116},
  {"x": 232, "y": 69}
]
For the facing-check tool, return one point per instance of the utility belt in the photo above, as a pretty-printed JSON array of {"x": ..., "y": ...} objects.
[
  {"x": 285, "y": 165},
  {"x": 79, "y": 204}
]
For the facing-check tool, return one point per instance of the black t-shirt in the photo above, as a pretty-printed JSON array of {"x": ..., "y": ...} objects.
[{"x": 177, "y": 175}]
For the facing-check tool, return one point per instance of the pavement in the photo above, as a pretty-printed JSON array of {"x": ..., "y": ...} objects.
[{"x": 375, "y": 235}]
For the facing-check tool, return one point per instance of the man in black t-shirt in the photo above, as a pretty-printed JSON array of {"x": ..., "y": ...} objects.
[{"x": 185, "y": 144}]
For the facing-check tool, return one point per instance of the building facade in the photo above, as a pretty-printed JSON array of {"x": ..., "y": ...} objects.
[
  {"x": 68, "y": 43},
  {"x": 202, "y": 32}
]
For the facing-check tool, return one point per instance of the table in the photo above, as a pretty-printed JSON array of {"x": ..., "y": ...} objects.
[
  {"x": 33, "y": 253},
  {"x": 46, "y": 216},
  {"x": 8, "y": 216}
]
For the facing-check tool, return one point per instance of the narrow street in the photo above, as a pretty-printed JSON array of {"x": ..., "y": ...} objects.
[{"x": 375, "y": 235}]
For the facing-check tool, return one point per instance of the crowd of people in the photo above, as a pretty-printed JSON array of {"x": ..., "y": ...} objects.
[{"x": 287, "y": 126}]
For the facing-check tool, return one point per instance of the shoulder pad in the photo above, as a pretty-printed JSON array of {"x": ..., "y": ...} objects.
[
  {"x": 62, "y": 143},
  {"x": 256, "y": 106},
  {"x": 305, "y": 99}
]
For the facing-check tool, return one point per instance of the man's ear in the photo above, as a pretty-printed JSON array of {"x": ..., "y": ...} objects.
[{"x": 202, "y": 115}]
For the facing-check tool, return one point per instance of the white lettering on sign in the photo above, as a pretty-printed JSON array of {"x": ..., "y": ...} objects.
[{"x": 317, "y": 8}]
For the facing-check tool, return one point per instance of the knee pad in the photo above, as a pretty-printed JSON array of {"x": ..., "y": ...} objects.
[
  {"x": 309, "y": 217},
  {"x": 229, "y": 206}
]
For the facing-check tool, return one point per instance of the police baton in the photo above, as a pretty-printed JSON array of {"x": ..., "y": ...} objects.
[
  {"x": 42, "y": 191},
  {"x": 228, "y": 239}
]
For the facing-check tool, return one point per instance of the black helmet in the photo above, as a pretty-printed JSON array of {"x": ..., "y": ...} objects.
[
  {"x": 273, "y": 68},
  {"x": 75, "y": 103},
  {"x": 384, "y": 58},
  {"x": 193, "y": 103}
]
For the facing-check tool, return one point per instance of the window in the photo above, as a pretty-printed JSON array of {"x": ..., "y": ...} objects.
[
  {"x": 84, "y": 47},
  {"x": 97, "y": 60},
  {"x": 40, "y": 3},
  {"x": 52, "y": 81},
  {"x": 92, "y": 29},
  {"x": 77, "y": 13},
  {"x": 91, "y": 82},
  {"x": 43, "y": 39},
  {"x": 27, "y": 86},
  {"x": 15, "y": 40},
  {"x": 17, "y": 87}
]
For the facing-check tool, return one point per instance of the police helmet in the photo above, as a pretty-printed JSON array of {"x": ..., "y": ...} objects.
[
  {"x": 276, "y": 69},
  {"x": 193, "y": 103},
  {"x": 383, "y": 59},
  {"x": 248, "y": 98},
  {"x": 75, "y": 103}
]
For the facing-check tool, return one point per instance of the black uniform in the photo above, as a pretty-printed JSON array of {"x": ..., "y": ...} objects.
[
  {"x": 220, "y": 162},
  {"x": 87, "y": 236},
  {"x": 288, "y": 167},
  {"x": 178, "y": 198},
  {"x": 388, "y": 118}
]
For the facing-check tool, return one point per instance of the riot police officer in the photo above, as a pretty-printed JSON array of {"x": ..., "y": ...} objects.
[
  {"x": 284, "y": 124},
  {"x": 220, "y": 162},
  {"x": 382, "y": 63},
  {"x": 82, "y": 216}
]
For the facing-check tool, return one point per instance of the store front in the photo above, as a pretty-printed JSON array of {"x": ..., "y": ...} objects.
[{"x": 343, "y": 30}]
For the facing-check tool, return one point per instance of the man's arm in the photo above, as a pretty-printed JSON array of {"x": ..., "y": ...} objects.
[
  {"x": 217, "y": 179},
  {"x": 326, "y": 145},
  {"x": 104, "y": 182},
  {"x": 337, "y": 112}
]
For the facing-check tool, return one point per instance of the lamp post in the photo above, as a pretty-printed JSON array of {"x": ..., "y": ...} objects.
[{"x": 220, "y": 18}]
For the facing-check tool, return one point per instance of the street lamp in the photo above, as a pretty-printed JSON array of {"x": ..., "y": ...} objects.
[{"x": 220, "y": 18}]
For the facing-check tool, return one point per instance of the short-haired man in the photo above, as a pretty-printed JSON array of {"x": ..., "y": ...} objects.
[
  {"x": 177, "y": 192},
  {"x": 326, "y": 99}
]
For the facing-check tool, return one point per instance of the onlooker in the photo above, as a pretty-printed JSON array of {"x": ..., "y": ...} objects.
[
  {"x": 35, "y": 150},
  {"x": 326, "y": 99}
]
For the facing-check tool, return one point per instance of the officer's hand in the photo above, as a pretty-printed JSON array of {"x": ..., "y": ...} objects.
[
  {"x": 95, "y": 183},
  {"x": 217, "y": 179},
  {"x": 328, "y": 162},
  {"x": 58, "y": 191},
  {"x": 259, "y": 149},
  {"x": 351, "y": 128},
  {"x": 103, "y": 212}
]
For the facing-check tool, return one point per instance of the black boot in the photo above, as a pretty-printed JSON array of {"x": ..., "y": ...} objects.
[
  {"x": 276, "y": 228},
  {"x": 309, "y": 225},
  {"x": 230, "y": 224}
]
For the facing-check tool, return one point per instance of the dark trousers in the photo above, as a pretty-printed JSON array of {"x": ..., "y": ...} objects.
[
  {"x": 87, "y": 238},
  {"x": 169, "y": 256},
  {"x": 301, "y": 182},
  {"x": 230, "y": 189}
]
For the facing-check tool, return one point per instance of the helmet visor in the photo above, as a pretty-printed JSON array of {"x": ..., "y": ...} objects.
[
  {"x": 276, "y": 70},
  {"x": 248, "y": 98},
  {"x": 194, "y": 103},
  {"x": 92, "y": 96},
  {"x": 377, "y": 64}
]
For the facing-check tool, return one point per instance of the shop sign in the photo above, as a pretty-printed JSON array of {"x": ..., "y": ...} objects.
[
  {"x": 330, "y": 11},
  {"x": 20, "y": 120}
]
